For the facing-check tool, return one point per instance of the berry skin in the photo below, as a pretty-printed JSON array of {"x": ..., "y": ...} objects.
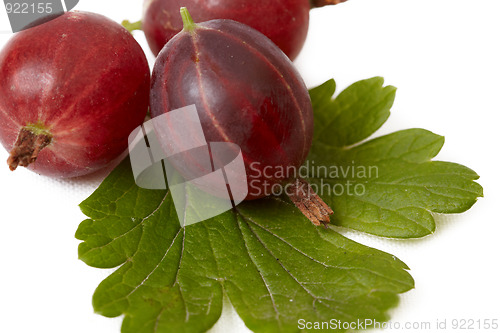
[
  {"x": 246, "y": 92},
  {"x": 71, "y": 91},
  {"x": 285, "y": 22}
]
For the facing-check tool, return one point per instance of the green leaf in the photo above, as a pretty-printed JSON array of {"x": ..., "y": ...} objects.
[
  {"x": 354, "y": 115},
  {"x": 398, "y": 186},
  {"x": 172, "y": 279},
  {"x": 273, "y": 264}
]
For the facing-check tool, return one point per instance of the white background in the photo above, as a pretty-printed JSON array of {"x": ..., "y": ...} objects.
[{"x": 443, "y": 55}]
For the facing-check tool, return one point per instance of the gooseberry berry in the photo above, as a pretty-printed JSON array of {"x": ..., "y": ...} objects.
[
  {"x": 71, "y": 91},
  {"x": 285, "y": 22},
  {"x": 246, "y": 92}
]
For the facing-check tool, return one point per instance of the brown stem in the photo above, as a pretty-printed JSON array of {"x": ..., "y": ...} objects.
[
  {"x": 322, "y": 3},
  {"x": 310, "y": 204},
  {"x": 27, "y": 147}
]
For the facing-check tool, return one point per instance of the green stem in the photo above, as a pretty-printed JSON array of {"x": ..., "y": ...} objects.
[
  {"x": 187, "y": 20},
  {"x": 132, "y": 26}
]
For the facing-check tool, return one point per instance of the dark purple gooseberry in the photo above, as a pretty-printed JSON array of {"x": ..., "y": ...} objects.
[{"x": 246, "y": 92}]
